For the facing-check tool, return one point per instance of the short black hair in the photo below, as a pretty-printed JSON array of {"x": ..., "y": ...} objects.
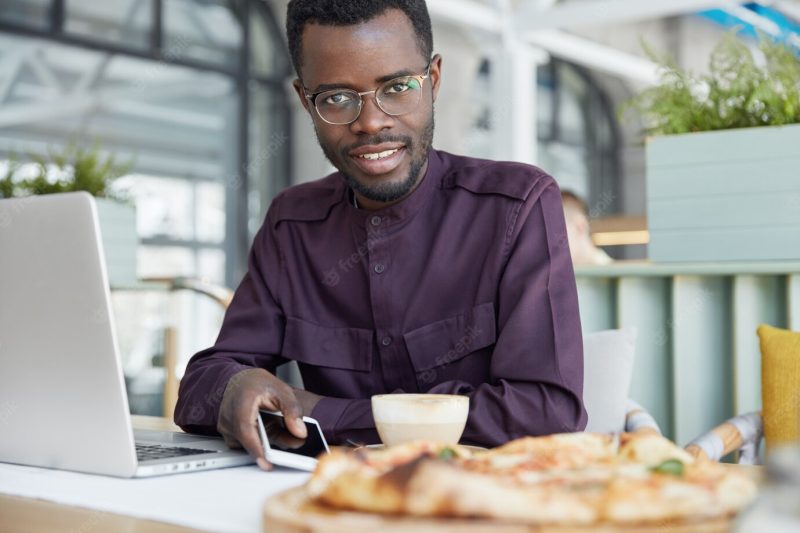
[{"x": 350, "y": 12}]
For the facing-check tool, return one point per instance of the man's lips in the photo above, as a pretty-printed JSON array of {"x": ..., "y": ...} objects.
[
  {"x": 377, "y": 159},
  {"x": 374, "y": 149}
]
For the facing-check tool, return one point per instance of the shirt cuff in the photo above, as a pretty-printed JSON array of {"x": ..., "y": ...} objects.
[
  {"x": 327, "y": 412},
  {"x": 200, "y": 408},
  {"x": 343, "y": 419}
]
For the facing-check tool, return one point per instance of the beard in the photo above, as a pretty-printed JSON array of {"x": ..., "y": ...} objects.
[{"x": 391, "y": 191}]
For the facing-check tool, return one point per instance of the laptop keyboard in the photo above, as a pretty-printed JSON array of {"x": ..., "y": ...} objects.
[{"x": 149, "y": 452}]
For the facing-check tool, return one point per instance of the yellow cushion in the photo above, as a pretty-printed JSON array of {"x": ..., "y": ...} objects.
[{"x": 780, "y": 384}]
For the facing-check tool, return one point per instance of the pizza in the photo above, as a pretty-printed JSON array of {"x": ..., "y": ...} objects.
[{"x": 576, "y": 479}]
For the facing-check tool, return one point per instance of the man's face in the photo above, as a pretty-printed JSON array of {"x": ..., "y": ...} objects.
[{"x": 362, "y": 57}]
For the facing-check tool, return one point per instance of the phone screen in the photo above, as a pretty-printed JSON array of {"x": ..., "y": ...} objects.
[{"x": 281, "y": 439}]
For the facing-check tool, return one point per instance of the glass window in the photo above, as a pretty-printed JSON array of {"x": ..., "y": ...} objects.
[
  {"x": 603, "y": 134},
  {"x": 578, "y": 142},
  {"x": 478, "y": 141},
  {"x": 31, "y": 13},
  {"x": 163, "y": 206},
  {"x": 206, "y": 31},
  {"x": 200, "y": 321},
  {"x": 269, "y": 137},
  {"x": 545, "y": 101},
  {"x": 210, "y": 217},
  {"x": 567, "y": 163},
  {"x": 268, "y": 52},
  {"x": 211, "y": 265},
  {"x": 173, "y": 115},
  {"x": 572, "y": 94},
  {"x": 143, "y": 315},
  {"x": 122, "y": 22},
  {"x": 165, "y": 261}
]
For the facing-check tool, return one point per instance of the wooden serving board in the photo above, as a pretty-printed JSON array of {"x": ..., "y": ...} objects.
[{"x": 293, "y": 512}]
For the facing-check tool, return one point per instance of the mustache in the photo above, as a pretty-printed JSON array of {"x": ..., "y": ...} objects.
[{"x": 378, "y": 139}]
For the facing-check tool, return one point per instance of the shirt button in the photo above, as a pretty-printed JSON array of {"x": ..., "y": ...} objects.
[
  {"x": 386, "y": 341},
  {"x": 376, "y": 221},
  {"x": 379, "y": 268}
]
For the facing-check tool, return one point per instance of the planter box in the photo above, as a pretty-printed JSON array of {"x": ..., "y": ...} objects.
[
  {"x": 118, "y": 230},
  {"x": 730, "y": 195}
]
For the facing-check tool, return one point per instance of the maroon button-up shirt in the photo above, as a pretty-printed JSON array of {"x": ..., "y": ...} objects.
[{"x": 465, "y": 287}]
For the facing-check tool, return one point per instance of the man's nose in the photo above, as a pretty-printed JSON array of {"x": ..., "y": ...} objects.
[{"x": 372, "y": 118}]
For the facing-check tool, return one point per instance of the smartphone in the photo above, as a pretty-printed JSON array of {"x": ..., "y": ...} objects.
[{"x": 284, "y": 449}]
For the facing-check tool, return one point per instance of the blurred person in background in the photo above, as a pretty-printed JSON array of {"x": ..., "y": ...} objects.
[{"x": 581, "y": 247}]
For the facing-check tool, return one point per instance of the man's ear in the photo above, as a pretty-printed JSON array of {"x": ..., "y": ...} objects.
[
  {"x": 301, "y": 93},
  {"x": 436, "y": 74}
]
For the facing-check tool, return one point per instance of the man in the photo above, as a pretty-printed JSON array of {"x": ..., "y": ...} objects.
[
  {"x": 408, "y": 270},
  {"x": 582, "y": 249}
]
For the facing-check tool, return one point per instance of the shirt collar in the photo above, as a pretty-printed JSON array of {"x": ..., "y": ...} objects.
[{"x": 410, "y": 205}]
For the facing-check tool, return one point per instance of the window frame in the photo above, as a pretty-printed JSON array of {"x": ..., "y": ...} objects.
[{"x": 237, "y": 236}]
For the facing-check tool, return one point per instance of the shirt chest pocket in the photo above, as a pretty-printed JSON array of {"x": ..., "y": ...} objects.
[
  {"x": 332, "y": 348},
  {"x": 439, "y": 351}
]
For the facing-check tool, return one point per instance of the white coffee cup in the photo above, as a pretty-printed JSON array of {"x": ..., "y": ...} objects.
[{"x": 407, "y": 417}]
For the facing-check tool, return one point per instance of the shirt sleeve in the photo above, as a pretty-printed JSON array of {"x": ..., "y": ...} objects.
[
  {"x": 346, "y": 421},
  {"x": 536, "y": 382},
  {"x": 251, "y": 336}
]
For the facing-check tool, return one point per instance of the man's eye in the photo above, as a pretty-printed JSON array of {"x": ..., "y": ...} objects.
[
  {"x": 337, "y": 99},
  {"x": 397, "y": 88},
  {"x": 401, "y": 86}
]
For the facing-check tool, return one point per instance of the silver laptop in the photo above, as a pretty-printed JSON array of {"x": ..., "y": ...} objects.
[{"x": 62, "y": 393}]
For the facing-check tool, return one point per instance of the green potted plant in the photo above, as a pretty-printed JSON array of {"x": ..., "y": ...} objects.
[
  {"x": 83, "y": 168},
  {"x": 723, "y": 153}
]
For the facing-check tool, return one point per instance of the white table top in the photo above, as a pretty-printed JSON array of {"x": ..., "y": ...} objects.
[{"x": 228, "y": 499}]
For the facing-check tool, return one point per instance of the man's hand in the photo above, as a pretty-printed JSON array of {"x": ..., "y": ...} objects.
[
  {"x": 308, "y": 400},
  {"x": 246, "y": 393}
]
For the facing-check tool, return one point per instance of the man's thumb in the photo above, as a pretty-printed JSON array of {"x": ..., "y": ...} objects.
[{"x": 297, "y": 427}]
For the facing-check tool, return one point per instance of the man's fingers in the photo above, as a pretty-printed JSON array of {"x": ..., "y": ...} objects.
[
  {"x": 231, "y": 442},
  {"x": 293, "y": 415},
  {"x": 286, "y": 402},
  {"x": 248, "y": 437},
  {"x": 263, "y": 464},
  {"x": 296, "y": 427},
  {"x": 244, "y": 439},
  {"x": 246, "y": 393}
]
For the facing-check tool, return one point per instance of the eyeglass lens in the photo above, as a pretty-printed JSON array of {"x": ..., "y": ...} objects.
[{"x": 395, "y": 97}]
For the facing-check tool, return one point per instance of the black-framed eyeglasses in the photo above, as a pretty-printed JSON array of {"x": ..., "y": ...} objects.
[{"x": 397, "y": 96}]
